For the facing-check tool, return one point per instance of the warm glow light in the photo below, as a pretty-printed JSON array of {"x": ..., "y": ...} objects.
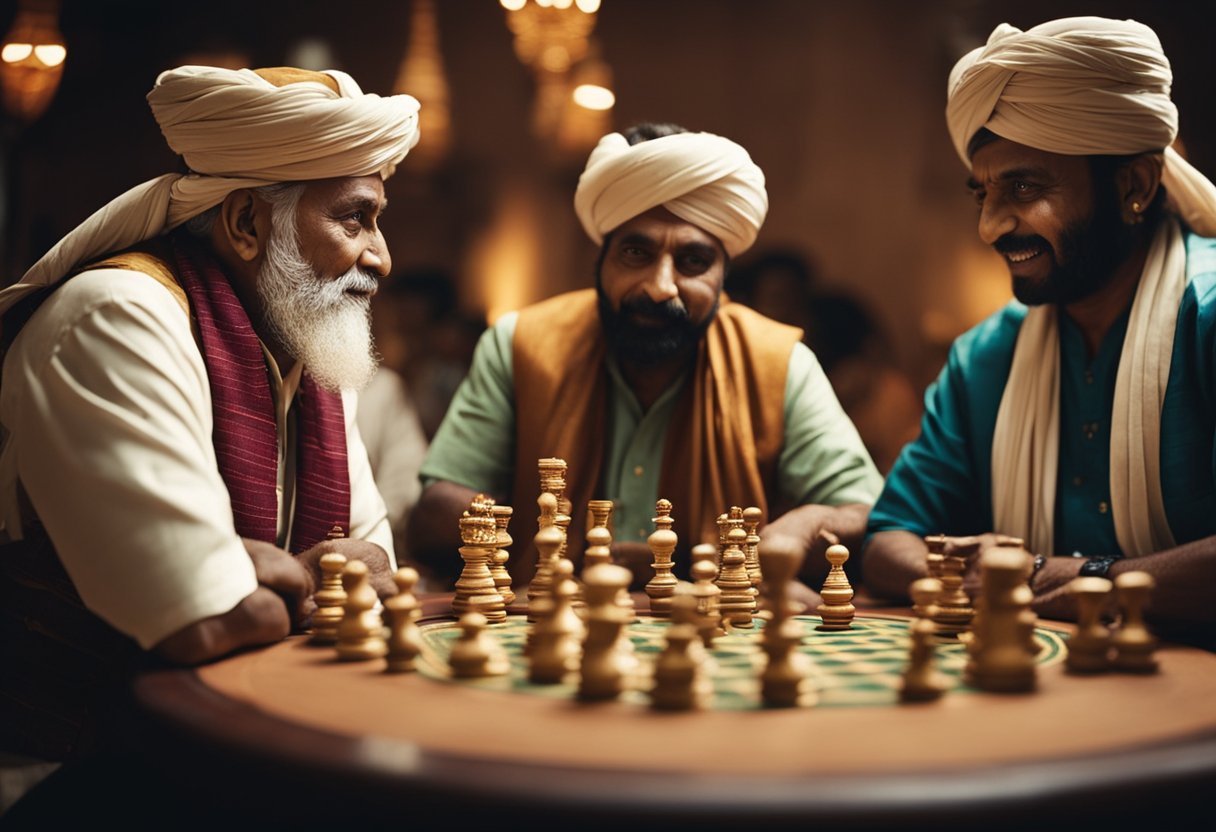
[
  {"x": 593, "y": 97},
  {"x": 51, "y": 54},
  {"x": 14, "y": 52},
  {"x": 588, "y": 6},
  {"x": 512, "y": 5}
]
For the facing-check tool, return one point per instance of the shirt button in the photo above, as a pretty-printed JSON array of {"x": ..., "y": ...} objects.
[
  {"x": 1103, "y": 507},
  {"x": 637, "y": 470},
  {"x": 1089, "y": 376},
  {"x": 642, "y": 533},
  {"x": 1077, "y": 481},
  {"x": 1090, "y": 428}
]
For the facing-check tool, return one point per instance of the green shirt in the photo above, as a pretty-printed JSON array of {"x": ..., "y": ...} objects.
[{"x": 822, "y": 458}]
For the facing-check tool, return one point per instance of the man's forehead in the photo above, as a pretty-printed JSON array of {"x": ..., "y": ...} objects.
[
  {"x": 659, "y": 222},
  {"x": 1002, "y": 159},
  {"x": 361, "y": 188}
]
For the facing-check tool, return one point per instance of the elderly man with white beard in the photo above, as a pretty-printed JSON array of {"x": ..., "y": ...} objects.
[{"x": 178, "y": 395}]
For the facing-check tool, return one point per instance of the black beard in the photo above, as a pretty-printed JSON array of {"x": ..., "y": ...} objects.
[
  {"x": 639, "y": 344},
  {"x": 1090, "y": 251}
]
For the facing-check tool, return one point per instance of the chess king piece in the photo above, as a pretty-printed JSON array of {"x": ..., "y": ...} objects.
[
  {"x": 555, "y": 640},
  {"x": 921, "y": 680},
  {"x": 476, "y": 587},
  {"x": 682, "y": 678},
  {"x": 476, "y": 653},
  {"x": 330, "y": 599},
  {"x": 361, "y": 633},
  {"x": 662, "y": 543},
  {"x": 498, "y": 563},
  {"x": 785, "y": 681},
  {"x": 1089, "y": 648},
  {"x": 1133, "y": 643},
  {"x": 403, "y": 612},
  {"x": 607, "y": 665},
  {"x": 1000, "y": 662},
  {"x": 837, "y": 609}
]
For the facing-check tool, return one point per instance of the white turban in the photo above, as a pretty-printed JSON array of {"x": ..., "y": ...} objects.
[
  {"x": 1078, "y": 86},
  {"x": 238, "y": 129},
  {"x": 703, "y": 179}
]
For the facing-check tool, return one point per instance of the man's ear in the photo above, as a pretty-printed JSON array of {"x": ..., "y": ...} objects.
[
  {"x": 1137, "y": 182},
  {"x": 244, "y": 223}
]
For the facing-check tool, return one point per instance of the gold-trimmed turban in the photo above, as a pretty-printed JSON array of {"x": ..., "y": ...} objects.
[
  {"x": 1078, "y": 86},
  {"x": 239, "y": 129},
  {"x": 703, "y": 179}
]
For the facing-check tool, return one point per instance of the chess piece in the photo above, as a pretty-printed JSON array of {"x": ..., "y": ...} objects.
[
  {"x": 752, "y": 518},
  {"x": 921, "y": 680},
  {"x": 476, "y": 587},
  {"x": 785, "y": 681},
  {"x": 707, "y": 595},
  {"x": 681, "y": 673},
  {"x": 936, "y": 544},
  {"x": 498, "y": 563},
  {"x": 361, "y": 633},
  {"x": 403, "y": 612},
  {"x": 599, "y": 538},
  {"x": 548, "y": 543},
  {"x": 552, "y": 473},
  {"x": 706, "y": 552},
  {"x": 1089, "y": 648},
  {"x": 737, "y": 601},
  {"x": 954, "y": 610},
  {"x": 1133, "y": 643},
  {"x": 476, "y": 654},
  {"x": 330, "y": 599},
  {"x": 837, "y": 609},
  {"x": 662, "y": 543},
  {"x": 607, "y": 664},
  {"x": 555, "y": 641},
  {"x": 1000, "y": 661}
]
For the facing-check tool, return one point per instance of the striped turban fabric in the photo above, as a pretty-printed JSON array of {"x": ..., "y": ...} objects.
[
  {"x": 238, "y": 129},
  {"x": 703, "y": 179}
]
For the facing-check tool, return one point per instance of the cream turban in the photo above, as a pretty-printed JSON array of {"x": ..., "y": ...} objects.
[
  {"x": 703, "y": 179},
  {"x": 239, "y": 129},
  {"x": 1078, "y": 86}
]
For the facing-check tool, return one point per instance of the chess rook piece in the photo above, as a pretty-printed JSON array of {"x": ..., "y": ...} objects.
[
  {"x": 921, "y": 681},
  {"x": 738, "y": 600},
  {"x": 403, "y": 612},
  {"x": 361, "y": 633},
  {"x": 1133, "y": 643},
  {"x": 785, "y": 681},
  {"x": 476, "y": 654},
  {"x": 599, "y": 538},
  {"x": 498, "y": 563},
  {"x": 330, "y": 599},
  {"x": 837, "y": 609},
  {"x": 1000, "y": 662},
  {"x": 662, "y": 543},
  {"x": 476, "y": 587}
]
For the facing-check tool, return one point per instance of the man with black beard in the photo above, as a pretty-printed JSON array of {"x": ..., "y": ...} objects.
[
  {"x": 178, "y": 396},
  {"x": 1079, "y": 418},
  {"x": 651, "y": 385}
]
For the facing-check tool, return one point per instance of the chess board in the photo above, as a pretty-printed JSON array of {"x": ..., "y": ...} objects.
[{"x": 856, "y": 667}]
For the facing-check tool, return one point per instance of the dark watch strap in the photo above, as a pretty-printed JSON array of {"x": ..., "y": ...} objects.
[{"x": 1097, "y": 567}]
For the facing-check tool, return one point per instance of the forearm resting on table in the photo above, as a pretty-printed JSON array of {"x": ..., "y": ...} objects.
[
  {"x": 260, "y": 618},
  {"x": 434, "y": 528},
  {"x": 893, "y": 560}
]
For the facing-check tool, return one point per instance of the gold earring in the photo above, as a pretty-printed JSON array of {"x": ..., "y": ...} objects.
[{"x": 1136, "y": 207}]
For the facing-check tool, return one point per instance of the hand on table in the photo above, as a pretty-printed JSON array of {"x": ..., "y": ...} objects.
[
  {"x": 286, "y": 576},
  {"x": 379, "y": 570}
]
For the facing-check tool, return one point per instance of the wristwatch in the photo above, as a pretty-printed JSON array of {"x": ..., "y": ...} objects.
[{"x": 1097, "y": 567}]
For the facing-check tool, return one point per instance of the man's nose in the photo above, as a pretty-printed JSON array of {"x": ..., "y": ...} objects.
[
  {"x": 661, "y": 282},
  {"x": 375, "y": 257},
  {"x": 996, "y": 220}
]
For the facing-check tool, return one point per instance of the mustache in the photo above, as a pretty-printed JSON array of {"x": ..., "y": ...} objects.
[
  {"x": 669, "y": 311},
  {"x": 357, "y": 280},
  {"x": 1014, "y": 242}
]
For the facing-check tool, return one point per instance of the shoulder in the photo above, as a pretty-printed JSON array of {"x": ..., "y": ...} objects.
[
  {"x": 570, "y": 308},
  {"x": 1201, "y": 272},
  {"x": 989, "y": 344}
]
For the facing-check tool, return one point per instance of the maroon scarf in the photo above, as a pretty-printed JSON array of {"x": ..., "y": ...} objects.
[{"x": 246, "y": 434}]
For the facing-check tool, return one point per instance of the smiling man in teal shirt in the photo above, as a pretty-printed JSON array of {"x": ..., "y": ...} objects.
[{"x": 1079, "y": 418}]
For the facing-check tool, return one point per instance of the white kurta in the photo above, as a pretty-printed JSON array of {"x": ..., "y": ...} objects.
[{"x": 107, "y": 412}]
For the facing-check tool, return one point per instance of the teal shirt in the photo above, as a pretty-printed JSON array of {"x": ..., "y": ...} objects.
[
  {"x": 942, "y": 481},
  {"x": 822, "y": 458}
]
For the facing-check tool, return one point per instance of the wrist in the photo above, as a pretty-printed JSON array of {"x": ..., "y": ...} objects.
[{"x": 1098, "y": 566}]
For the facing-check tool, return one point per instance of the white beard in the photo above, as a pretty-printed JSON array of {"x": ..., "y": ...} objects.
[{"x": 314, "y": 319}]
